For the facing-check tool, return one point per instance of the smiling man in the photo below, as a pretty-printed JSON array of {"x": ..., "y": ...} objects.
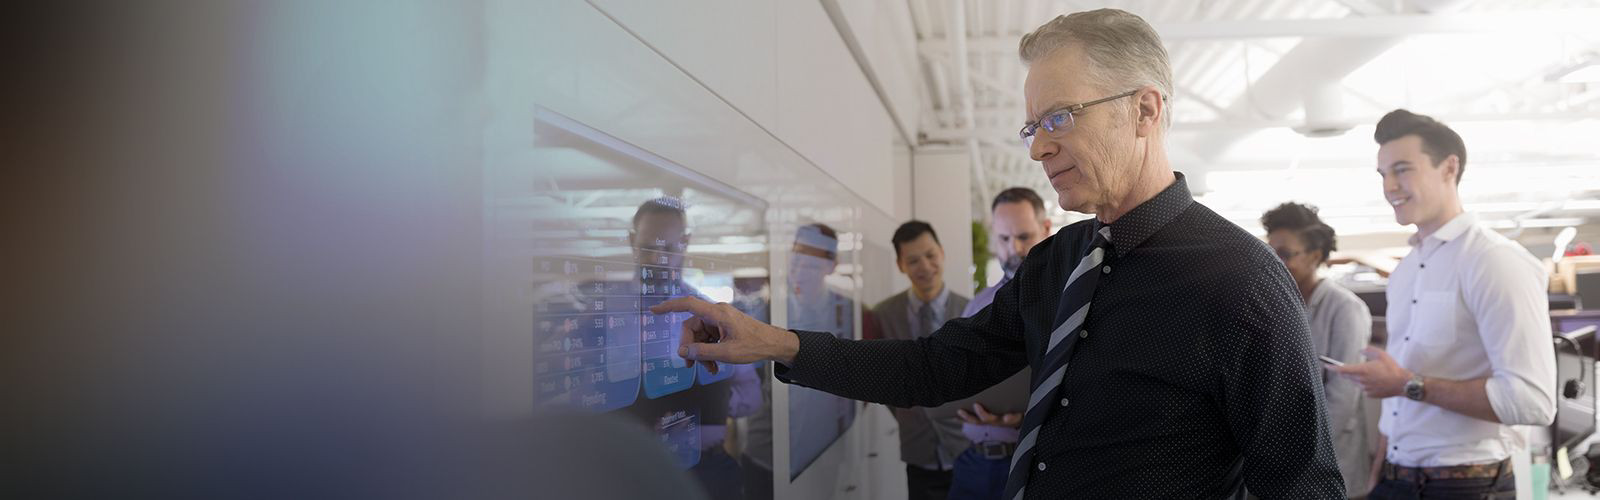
[
  {"x": 1169, "y": 352},
  {"x": 929, "y": 446},
  {"x": 1469, "y": 331}
]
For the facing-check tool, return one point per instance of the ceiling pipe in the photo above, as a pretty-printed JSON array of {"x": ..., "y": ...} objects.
[
  {"x": 1310, "y": 74},
  {"x": 956, "y": 32}
]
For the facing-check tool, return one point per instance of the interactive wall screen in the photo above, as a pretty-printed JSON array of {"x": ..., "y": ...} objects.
[{"x": 609, "y": 230}]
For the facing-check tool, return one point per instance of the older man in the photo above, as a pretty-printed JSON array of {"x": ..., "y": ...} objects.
[{"x": 1169, "y": 353}]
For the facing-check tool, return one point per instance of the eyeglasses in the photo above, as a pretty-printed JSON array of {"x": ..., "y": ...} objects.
[{"x": 1060, "y": 121}]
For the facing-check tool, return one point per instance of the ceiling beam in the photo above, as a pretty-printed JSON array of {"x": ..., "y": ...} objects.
[
  {"x": 1364, "y": 7},
  {"x": 1539, "y": 22},
  {"x": 956, "y": 26},
  {"x": 999, "y": 133}
]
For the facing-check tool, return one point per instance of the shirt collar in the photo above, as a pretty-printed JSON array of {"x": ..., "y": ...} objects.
[
  {"x": 937, "y": 302},
  {"x": 1319, "y": 293},
  {"x": 1139, "y": 224},
  {"x": 1450, "y": 230}
]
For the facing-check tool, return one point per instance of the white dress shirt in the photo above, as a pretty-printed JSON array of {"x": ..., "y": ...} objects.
[{"x": 1468, "y": 303}]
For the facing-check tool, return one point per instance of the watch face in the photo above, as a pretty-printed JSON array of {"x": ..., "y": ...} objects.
[{"x": 1414, "y": 390}]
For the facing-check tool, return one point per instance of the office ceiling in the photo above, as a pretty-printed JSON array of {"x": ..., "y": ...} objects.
[{"x": 1520, "y": 79}]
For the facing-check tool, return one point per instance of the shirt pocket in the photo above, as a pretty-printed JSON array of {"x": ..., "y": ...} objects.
[{"x": 1434, "y": 319}]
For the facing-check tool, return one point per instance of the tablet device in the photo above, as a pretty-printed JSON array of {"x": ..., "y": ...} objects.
[{"x": 1008, "y": 396}]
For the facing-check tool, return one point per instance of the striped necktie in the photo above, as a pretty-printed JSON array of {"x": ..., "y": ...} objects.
[
  {"x": 925, "y": 316},
  {"x": 1074, "y": 308}
]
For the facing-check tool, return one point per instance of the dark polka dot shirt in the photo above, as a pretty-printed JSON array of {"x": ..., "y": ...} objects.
[{"x": 1193, "y": 376}]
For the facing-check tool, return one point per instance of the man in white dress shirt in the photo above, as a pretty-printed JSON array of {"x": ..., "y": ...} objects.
[{"x": 1469, "y": 351}]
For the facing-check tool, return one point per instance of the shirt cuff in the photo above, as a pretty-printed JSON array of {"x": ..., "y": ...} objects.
[
  {"x": 811, "y": 343},
  {"x": 1516, "y": 402}
]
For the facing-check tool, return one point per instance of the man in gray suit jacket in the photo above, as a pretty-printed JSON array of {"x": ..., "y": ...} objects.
[{"x": 928, "y": 446}]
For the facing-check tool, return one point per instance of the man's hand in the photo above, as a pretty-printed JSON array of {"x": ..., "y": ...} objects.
[
  {"x": 981, "y": 416},
  {"x": 1381, "y": 377},
  {"x": 980, "y": 426},
  {"x": 720, "y": 333}
]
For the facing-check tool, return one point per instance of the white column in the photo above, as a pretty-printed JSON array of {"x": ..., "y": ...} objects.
[{"x": 941, "y": 191}]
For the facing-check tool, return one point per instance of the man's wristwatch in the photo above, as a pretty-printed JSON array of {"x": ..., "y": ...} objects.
[{"x": 1414, "y": 388}]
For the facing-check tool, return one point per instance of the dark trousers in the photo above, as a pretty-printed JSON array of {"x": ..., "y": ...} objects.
[
  {"x": 924, "y": 484},
  {"x": 1496, "y": 488},
  {"x": 978, "y": 478},
  {"x": 757, "y": 480},
  {"x": 719, "y": 474}
]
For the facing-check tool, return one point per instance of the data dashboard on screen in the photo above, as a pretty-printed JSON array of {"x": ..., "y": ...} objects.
[{"x": 588, "y": 233}]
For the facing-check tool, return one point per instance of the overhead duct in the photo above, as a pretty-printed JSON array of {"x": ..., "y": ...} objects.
[
  {"x": 1298, "y": 78},
  {"x": 1325, "y": 117},
  {"x": 1299, "y": 74}
]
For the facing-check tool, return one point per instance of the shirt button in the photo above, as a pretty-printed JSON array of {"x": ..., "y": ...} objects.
[
  {"x": 1395, "y": 448},
  {"x": 1063, "y": 401},
  {"x": 1396, "y": 414},
  {"x": 1408, "y": 339},
  {"x": 1083, "y": 334},
  {"x": 1413, "y": 301},
  {"x": 1041, "y": 466},
  {"x": 1424, "y": 266},
  {"x": 1106, "y": 270}
]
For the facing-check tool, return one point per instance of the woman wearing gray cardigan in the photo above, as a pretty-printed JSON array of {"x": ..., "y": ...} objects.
[{"x": 1341, "y": 326}]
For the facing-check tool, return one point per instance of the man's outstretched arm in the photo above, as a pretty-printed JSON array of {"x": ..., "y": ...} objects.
[{"x": 963, "y": 357}]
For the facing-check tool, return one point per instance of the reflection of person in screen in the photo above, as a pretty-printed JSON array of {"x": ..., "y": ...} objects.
[
  {"x": 660, "y": 239},
  {"x": 1017, "y": 223},
  {"x": 816, "y": 418},
  {"x": 811, "y": 305},
  {"x": 929, "y": 446}
]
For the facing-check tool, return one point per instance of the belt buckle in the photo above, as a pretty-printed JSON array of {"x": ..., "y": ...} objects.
[{"x": 994, "y": 450}]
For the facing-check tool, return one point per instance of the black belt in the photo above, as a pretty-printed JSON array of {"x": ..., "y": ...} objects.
[{"x": 994, "y": 450}]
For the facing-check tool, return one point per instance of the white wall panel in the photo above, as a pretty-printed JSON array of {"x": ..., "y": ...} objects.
[
  {"x": 889, "y": 42},
  {"x": 785, "y": 65},
  {"x": 725, "y": 44},
  {"x": 827, "y": 110}
]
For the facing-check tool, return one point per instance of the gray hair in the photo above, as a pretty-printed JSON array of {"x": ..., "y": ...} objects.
[{"x": 1124, "y": 52}]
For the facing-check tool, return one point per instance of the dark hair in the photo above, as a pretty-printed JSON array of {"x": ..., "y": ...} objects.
[
  {"x": 910, "y": 231},
  {"x": 663, "y": 205},
  {"x": 1302, "y": 220},
  {"x": 1438, "y": 140},
  {"x": 1018, "y": 195}
]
